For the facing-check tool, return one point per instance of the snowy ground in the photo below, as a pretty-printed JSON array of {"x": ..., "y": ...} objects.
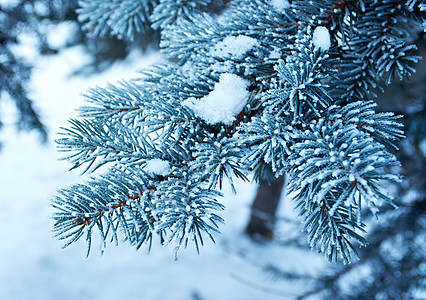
[{"x": 32, "y": 263}]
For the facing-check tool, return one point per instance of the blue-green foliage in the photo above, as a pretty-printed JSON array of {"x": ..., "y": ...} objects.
[
  {"x": 174, "y": 205},
  {"x": 169, "y": 11},
  {"x": 126, "y": 19},
  {"x": 309, "y": 114}
]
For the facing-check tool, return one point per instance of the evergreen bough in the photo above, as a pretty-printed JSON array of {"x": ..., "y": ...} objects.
[
  {"x": 127, "y": 19},
  {"x": 308, "y": 72}
]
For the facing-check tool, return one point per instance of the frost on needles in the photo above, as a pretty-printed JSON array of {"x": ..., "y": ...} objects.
[{"x": 265, "y": 83}]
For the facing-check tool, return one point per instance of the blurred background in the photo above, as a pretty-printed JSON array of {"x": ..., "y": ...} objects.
[{"x": 47, "y": 61}]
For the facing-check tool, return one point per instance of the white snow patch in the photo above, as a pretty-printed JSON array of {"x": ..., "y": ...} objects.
[
  {"x": 275, "y": 54},
  {"x": 280, "y": 5},
  {"x": 158, "y": 166},
  {"x": 222, "y": 67},
  {"x": 59, "y": 35},
  {"x": 227, "y": 100},
  {"x": 321, "y": 38},
  {"x": 234, "y": 46}
]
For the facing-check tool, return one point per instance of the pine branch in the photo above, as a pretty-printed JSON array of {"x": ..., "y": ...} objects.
[
  {"x": 91, "y": 142},
  {"x": 265, "y": 88},
  {"x": 138, "y": 205},
  {"x": 124, "y": 19},
  {"x": 168, "y": 12},
  {"x": 113, "y": 203}
]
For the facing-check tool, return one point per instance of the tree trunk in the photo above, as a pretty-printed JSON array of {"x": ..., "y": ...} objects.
[{"x": 263, "y": 209}]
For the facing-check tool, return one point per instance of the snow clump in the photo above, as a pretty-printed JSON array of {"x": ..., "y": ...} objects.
[
  {"x": 280, "y": 5},
  {"x": 275, "y": 54},
  {"x": 222, "y": 67},
  {"x": 234, "y": 46},
  {"x": 226, "y": 101},
  {"x": 157, "y": 166},
  {"x": 321, "y": 38}
]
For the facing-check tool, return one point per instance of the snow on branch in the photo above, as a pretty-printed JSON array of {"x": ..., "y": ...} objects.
[
  {"x": 321, "y": 38},
  {"x": 224, "y": 103},
  {"x": 234, "y": 46},
  {"x": 157, "y": 166},
  {"x": 280, "y": 5}
]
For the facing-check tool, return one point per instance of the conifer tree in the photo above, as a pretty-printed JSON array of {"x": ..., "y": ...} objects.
[
  {"x": 26, "y": 16},
  {"x": 265, "y": 86},
  {"x": 14, "y": 71}
]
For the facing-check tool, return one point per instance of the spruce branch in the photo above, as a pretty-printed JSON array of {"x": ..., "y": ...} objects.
[
  {"x": 91, "y": 141},
  {"x": 138, "y": 206},
  {"x": 124, "y": 19},
  {"x": 112, "y": 203},
  {"x": 300, "y": 77},
  {"x": 168, "y": 12}
]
